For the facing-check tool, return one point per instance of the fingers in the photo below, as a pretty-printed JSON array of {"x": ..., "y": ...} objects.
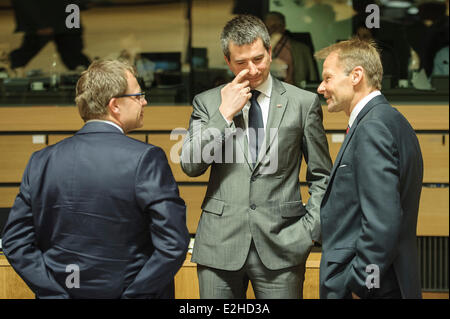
[
  {"x": 246, "y": 90},
  {"x": 240, "y": 76}
]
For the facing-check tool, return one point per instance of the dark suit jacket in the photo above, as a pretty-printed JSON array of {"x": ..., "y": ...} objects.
[
  {"x": 107, "y": 204},
  {"x": 369, "y": 211}
]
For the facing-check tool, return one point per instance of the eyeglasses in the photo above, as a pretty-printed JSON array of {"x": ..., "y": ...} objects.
[{"x": 141, "y": 96}]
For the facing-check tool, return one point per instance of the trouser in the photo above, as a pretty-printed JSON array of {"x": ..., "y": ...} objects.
[
  {"x": 69, "y": 45},
  {"x": 267, "y": 284}
]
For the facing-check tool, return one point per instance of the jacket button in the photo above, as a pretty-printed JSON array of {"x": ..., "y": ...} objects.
[
  {"x": 252, "y": 179},
  {"x": 253, "y": 206}
]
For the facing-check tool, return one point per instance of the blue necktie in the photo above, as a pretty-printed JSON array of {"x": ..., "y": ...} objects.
[{"x": 255, "y": 122}]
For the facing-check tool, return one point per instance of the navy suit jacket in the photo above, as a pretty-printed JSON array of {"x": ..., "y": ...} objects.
[
  {"x": 369, "y": 211},
  {"x": 102, "y": 208}
]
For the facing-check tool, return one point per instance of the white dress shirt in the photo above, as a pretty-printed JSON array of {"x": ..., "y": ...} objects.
[
  {"x": 263, "y": 100},
  {"x": 360, "y": 105}
]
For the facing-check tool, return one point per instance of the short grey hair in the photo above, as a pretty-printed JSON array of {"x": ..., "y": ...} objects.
[
  {"x": 242, "y": 30},
  {"x": 103, "y": 80}
]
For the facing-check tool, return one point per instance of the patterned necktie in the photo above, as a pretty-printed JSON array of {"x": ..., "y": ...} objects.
[{"x": 255, "y": 122}]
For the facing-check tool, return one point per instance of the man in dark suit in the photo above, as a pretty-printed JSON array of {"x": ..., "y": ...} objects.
[
  {"x": 369, "y": 211},
  {"x": 254, "y": 226},
  {"x": 99, "y": 214}
]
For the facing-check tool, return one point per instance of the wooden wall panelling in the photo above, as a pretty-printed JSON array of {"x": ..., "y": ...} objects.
[
  {"x": 421, "y": 117},
  {"x": 186, "y": 280},
  {"x": 11, "y": 285},
  {"x": 435, "y": 153},
  {"x": 8, "y": 196},
  {"x": 172, "y": 148},
  {"x": 193, "y": 196},
  {"x": 15, "y": 153},
  {"x": 66, "y": 118},
  {"x": 433, "y": 212}
]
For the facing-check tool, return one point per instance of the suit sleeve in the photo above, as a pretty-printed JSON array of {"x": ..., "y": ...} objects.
[
  {"x": 377, "y": 174},
  {"x": 204, "y": 130},
  {"x": 317, "y": 158},
  {"x": 19, "y": 245},
  {"x": 157, "y": 194}
]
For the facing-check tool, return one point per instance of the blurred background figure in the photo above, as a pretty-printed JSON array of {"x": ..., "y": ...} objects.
[
  {"x": 428, "y": 34},
  {"x": 44, "y": 21},
  {"x": 292, "y": 61},
  {"x": 390, "y": 39},
  {"x": 144, "y": 67}
]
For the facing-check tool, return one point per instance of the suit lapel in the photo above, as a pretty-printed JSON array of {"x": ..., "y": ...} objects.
[
  {"x": 370, "y": 105},
  {"x": 277, "y": 107}
]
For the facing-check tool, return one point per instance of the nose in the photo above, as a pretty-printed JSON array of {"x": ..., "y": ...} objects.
[
  {"x": 321, "y": 88},
  {"x": 253, "y": 70}
]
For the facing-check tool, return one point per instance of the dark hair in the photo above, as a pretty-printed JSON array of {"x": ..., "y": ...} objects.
[{"x": 242, "y": 30}]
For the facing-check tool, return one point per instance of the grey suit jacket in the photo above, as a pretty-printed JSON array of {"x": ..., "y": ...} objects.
[
  {"x": 369, "y": 212},
  {"x": 260, "y": 202}
]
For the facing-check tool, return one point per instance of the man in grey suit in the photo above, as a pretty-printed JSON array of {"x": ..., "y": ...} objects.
[
  {"x": 254, "y": 226},
  {"x": 369, "y": 211}
]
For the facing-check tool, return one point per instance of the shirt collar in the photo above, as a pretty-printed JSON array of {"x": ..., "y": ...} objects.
[
  {"x": 360, "y": 105},
  {"x": 108, "y": 122},
  {"x": 266, "y": 87}
]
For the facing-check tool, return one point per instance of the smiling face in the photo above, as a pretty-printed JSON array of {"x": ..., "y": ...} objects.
[
  {"x": 253, "y": 57},
  {"x": 336, "y": 86}
]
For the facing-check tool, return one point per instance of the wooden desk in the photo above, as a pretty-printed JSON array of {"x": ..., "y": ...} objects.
[
  {"x": 11, "y": 285},
  {"x": 186, "y": 282}
]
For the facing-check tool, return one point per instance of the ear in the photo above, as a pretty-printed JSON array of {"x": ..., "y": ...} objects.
[
  {"x": 357, "y": 75},
  {"x": 113, "y": 107},
  {"x": 228, "y": 61},
  {"x": 270, "y": 53}
]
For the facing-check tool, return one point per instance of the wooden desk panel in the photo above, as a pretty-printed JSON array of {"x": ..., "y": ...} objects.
[
  {"x": 186, "y": 280},
  {"x": 11, "y": 285},
  {"x": 40, "y": 118},
  {"x": 172, "y": 148},
  {"x": 433, "y": 212},
  {"x": 15, "y": 153},
  {"x": 193, "y": 196},
  {"x": 168, "y": 118},
  {"x": 435, "y": 153},
  {"x": 421, "y": 117},
  {"x": 67, "y": 118},
  {"x": 8, "y": 196}
]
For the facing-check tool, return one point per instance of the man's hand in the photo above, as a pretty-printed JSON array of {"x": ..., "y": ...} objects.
[
  {"x": 355, "y": 296},
  {"x": 235, "y": 95}
]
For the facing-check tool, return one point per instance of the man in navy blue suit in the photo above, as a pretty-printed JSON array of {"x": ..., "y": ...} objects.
[
  {"x": 369, "y": 211},
  {"x": 99, "y": 214}
]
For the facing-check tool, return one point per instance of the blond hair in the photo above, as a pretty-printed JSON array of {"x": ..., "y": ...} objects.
[
  {"x": 357, "y": 52},
  {"x": 103, "y": 80}
]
